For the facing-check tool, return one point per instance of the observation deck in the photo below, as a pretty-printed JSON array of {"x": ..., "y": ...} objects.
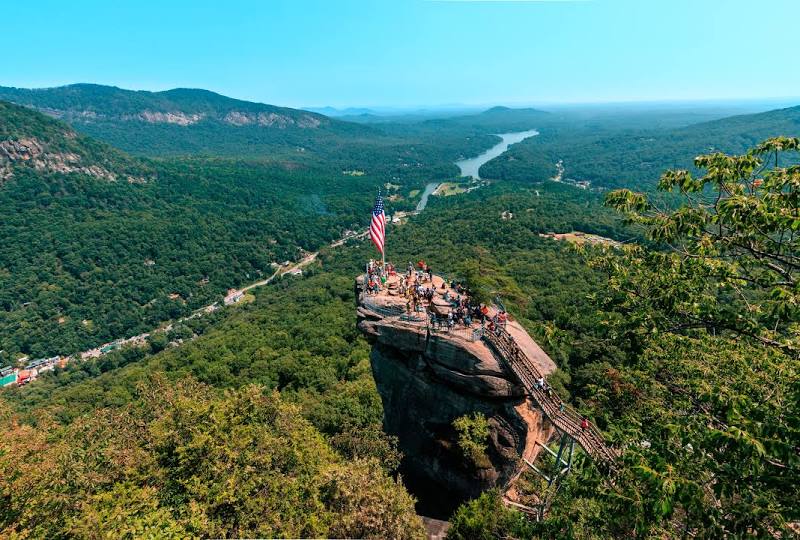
[{"x": 492, "y": 336}]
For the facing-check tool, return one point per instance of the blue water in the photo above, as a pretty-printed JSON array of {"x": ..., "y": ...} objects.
[
  {"x": 423, "y": 202},
  {"x": 470, "y": 167}
]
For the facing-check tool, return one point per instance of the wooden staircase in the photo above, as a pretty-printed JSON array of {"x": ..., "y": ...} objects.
[{"x": 562, "y": 416}]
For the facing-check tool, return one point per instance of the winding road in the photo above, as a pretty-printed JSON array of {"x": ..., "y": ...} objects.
[{"x": 466, "y": 166}]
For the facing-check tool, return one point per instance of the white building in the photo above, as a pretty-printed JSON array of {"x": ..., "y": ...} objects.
[{"x": 233, "y": 296}]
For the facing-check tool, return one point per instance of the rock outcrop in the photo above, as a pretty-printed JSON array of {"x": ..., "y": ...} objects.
[
  {"x": 234, "y": 118},
  {"x": 33, "y": 153},
  {"x": 428, "y": 379},
  {"x": 161, "y": 117},
  {"x": 271, "y": 119}
]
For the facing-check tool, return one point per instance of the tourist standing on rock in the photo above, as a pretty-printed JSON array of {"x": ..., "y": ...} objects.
[{"x": 502, "y": 318}]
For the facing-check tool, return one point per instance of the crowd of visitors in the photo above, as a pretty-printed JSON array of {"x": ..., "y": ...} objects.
[
  {"x": 447, "y": 305},
  {"x": 417, "y": 286}
]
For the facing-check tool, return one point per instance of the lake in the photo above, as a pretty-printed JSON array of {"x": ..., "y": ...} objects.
[{"x": 470, "y": 167}]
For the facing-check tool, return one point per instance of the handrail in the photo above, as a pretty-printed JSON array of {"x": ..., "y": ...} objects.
[
  {"x": 563, "y": 416},
  {"x": 468, "y": 332},
  {"x": 386, "y": 311},
  {"x": 471, "y": 333}
]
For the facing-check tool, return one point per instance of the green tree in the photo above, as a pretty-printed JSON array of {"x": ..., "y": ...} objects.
[
  {"x": 487, "y": 518},
  {"x": 727, "y": 258},
  {"x": 473, "y": 433},
  {"x": 185, "y": 460}
]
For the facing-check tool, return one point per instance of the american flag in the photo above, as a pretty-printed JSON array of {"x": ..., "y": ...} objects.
[{"x": 377, "y": 228}]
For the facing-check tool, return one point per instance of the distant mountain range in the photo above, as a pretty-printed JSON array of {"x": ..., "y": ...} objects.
[
  {"x": 348, "y": 111},
  {"x": 196, "y": 123},
  {"x": 643, "y": 156},
  {"x": 635, "y": 157},
  {"x": 183, "y": 121},
  {"x": 92, "y": 103}
]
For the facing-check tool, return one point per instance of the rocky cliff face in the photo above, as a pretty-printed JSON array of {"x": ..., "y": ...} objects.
[
  {"x": 426, "y": 381},
  {"x": 34, "y": 153}
]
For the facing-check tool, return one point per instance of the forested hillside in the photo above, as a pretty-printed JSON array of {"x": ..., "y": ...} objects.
[
  {"x": 187, "y": 122},
  {"x": 297, "y": 338},
  {"x": 93, "y": 103},
  {"x": 681, "y": 347},
  {"x": 629, "y": 154},
  {"x": 32, "y": 141},
  {"x": 400, "y": 270},
  {"x": 686, "y": 402},
  {"x": 98, "y": 245},
  {"x": 102, "y": 245}
]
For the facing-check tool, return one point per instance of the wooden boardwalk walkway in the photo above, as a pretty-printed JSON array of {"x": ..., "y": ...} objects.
[{"x": 562, "y": 416}]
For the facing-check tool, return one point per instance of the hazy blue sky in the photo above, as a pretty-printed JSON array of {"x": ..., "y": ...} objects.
[{"x": 411, "y": 52}]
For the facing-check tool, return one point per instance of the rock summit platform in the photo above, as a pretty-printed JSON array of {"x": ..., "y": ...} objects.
[
  {"x": 437, "y": 354},
  {"x": 429, "y": 302}
]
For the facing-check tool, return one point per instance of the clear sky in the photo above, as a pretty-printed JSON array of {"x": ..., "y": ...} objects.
[{"x": 411, "y": 52}]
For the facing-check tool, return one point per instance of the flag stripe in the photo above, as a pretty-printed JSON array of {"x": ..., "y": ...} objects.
[{"x": 377, "y": 226}]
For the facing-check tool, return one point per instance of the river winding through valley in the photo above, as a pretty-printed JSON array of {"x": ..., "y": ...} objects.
[{"x": 471, "y": 167}]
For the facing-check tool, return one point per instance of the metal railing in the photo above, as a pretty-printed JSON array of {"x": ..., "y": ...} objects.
[
  {"x": 470, "y": 333},
  {"x": 386, "y": 311},
  {"x": 435, "y": 324},
  {"x": 563, "y": 416}
]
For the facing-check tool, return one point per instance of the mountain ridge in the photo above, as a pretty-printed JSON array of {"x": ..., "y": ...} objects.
[
  {"x": 31, "y": 139},
  {"x": 637, "y": 157},
  {"x": 84, "y": 102}
]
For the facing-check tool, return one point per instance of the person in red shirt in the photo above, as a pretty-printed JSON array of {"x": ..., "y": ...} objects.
[
  {"x": 584, "y": 424},
  {"x": 502, "y": 318}
]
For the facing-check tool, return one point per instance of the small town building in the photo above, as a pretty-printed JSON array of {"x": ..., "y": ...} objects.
[
  {"x": 8, "y": 376},
  {"x": 233, "y": 296},
  {"x": 24, "y": 376}
]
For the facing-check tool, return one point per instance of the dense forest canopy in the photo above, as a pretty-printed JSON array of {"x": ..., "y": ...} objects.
[
  {"x": 182, "y": 231},
  {"x": 86, "y": 259},
  {"x": 299, "y": 338},
  {"x": 681, "y": 346},
  {"x": 630, "y": 153},
  {"x": 702, "y": 388}
]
